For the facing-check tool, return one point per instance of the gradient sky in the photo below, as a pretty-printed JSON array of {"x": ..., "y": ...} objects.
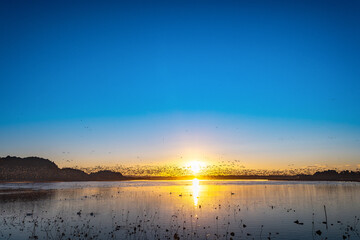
[{"x": 273, "y": 84}]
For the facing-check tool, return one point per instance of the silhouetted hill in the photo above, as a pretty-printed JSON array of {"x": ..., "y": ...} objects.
[
  {"x": 40, "y": 169},
  {"x": 27, "y": 169},
  {"x": 28, "y": 162},
  {"x": 106, "y": 175},
  {"x": 70, "y": 174}
]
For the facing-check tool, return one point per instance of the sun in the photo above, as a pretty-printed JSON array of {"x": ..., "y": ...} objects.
[{"x": 195, "y": 167}]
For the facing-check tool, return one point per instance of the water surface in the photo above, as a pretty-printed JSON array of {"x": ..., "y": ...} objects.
[{"x": 180, "y": 210}]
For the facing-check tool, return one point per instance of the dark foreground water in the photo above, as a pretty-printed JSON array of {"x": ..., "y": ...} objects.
[{"x": 180, "y": 210}]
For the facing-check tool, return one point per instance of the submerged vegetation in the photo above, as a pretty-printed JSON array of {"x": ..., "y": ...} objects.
[{"x": 146, "y": 226}]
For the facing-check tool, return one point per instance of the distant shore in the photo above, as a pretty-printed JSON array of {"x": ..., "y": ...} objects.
[
  {"x": 220, "y": 178},
  {"x": 35, "y": 169}
]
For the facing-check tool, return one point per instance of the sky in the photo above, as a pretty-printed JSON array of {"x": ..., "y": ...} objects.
[{"x": 270, "y": 84}]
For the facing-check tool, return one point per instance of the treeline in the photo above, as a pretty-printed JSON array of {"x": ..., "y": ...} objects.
[
  {"x": 332, "y": 175},
  {"x": 40, "y": 169}
]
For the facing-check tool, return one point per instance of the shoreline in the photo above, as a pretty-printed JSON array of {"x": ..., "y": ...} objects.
[{"x": 187, "y": 178}]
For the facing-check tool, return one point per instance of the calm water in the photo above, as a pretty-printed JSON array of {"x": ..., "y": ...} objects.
[{"x": 180, "y": 210}]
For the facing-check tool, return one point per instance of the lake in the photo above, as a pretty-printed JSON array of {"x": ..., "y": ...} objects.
[{"x": 189, "y": 209}]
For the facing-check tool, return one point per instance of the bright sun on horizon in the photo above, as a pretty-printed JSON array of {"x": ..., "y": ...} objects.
[{"x": 195, "y": 166}]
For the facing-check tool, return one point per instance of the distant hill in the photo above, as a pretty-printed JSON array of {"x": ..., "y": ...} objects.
[
  {"x": 106, "y": 175},
  {"x": 70, "y": 174},
  {"x": 40, "y": 169},
  {"x": 28, "y": 162}
]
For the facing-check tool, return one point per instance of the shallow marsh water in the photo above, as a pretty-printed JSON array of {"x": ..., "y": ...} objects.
[{"x": 180, "y": 210}]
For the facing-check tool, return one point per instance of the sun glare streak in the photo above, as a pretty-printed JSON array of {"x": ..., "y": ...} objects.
[{"x": 195, "y": 191}]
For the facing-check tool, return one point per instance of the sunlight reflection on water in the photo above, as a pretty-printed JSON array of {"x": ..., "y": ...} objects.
[{"x": 196, "y": 190}]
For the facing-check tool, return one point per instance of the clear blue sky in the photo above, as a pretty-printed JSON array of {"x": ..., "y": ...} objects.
[{"x": 289, "y": 66}]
